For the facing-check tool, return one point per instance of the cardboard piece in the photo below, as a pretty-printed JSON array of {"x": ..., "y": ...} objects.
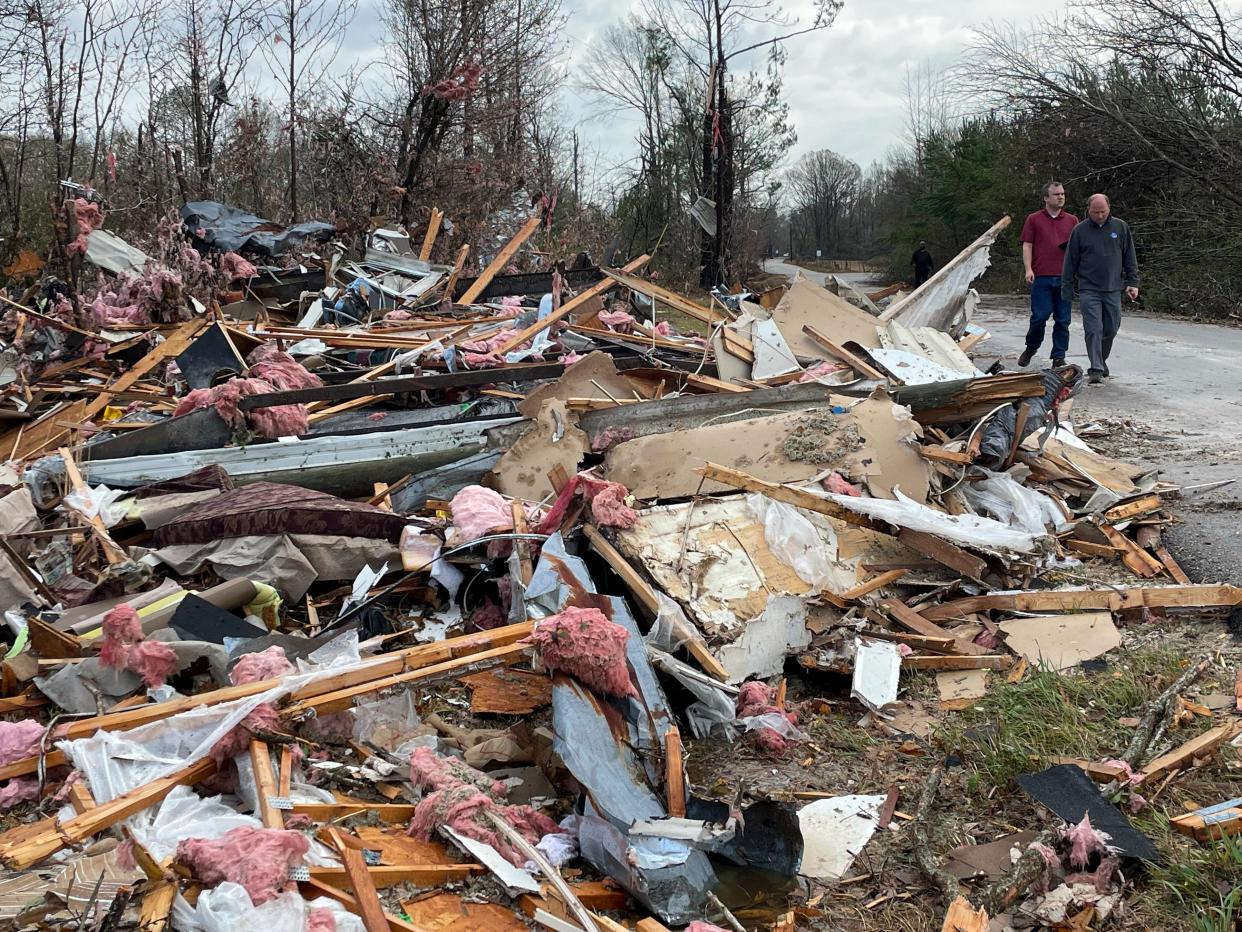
[
  {"x": 1062, "y": 642},
  {"x": 808, "y": 303},
  {"x": 962, "y": 685},
  {"x": 593, "y": 377},
  {"x": 991, "y": 860}
]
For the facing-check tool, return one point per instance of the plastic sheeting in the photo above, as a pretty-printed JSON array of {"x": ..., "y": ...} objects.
[
  {"x": 964, "y": 530},
  {"x": 793, "y": 539},
  {"x": 1007, "y": 500},
  {"x": 227, "y": 908}
]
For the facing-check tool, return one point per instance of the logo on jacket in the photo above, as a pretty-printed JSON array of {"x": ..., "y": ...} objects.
[{"x": 1113, "y": 234}]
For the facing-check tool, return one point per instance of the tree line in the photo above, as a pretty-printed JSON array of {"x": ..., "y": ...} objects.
[{"x": 1139, "y": 99}]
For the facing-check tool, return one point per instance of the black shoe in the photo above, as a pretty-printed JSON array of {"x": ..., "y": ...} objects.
[
  {"x": 1025, "y": 359},
  {"x": 1060, "y": 364},
  {"x": 1107, "y": 374},
  {"x": 1095, "y": 377}
]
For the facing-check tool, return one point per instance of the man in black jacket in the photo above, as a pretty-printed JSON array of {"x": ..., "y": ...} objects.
[
  {"x": 1100, "y": 263},
  {"x": 922, "y": 262}
]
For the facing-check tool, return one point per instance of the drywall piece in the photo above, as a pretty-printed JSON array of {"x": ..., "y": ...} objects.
[
  {"x": 729, "y": 368},
  {"x": 933, "y": 345},
  {"x": 873, "y": 440},
  {"x": 1062, "y": 641},
  {"x": 877, "y": 669},
  {"x": 772, "y": 353},
  {"x": 808, "y": 303},
  {"x": 595, "y": 376},
  {"x": 957, "y": 685},
  {"x": 553, "y": 440},
  {"x": 766, "y": 640},
  {"x": 514, "y": 878},
  {"x": 834, "y": 832}
]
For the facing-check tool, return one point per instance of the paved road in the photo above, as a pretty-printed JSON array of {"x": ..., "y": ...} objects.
[{"x": 1174, "y": 402}]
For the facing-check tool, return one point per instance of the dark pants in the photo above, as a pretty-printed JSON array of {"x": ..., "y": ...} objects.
[
  {"x": 920, "y": 276},
  {"x": 1101, "y": 319},
  {"x": 1046, "y": 301}
]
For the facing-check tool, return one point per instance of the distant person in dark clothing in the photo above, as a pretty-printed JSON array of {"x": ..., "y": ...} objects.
[
  {"x": 922, "y": 262},
  {"x": 1044, "y": 237},
  {"x": 1100, "y": 263}
]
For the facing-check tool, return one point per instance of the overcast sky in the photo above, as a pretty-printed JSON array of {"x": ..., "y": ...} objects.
[{"x": 844, "y": 84}]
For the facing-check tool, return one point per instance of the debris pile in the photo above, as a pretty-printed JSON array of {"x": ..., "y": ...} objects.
[{"x": 345, "y": 589}]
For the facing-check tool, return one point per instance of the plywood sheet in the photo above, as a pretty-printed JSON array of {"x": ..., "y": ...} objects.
[
  {"x": 1062, "y": 641},
  {"x": 874, "y": 441},
  {"x": 806, "y": 303},
  {"x": 505, "y": 691},
  {"x": 448, "y": 912}
]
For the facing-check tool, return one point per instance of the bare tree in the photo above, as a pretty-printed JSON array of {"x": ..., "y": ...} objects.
[
  {"x": 308, "y": 34},
  {"x": 823, "y": 188}
]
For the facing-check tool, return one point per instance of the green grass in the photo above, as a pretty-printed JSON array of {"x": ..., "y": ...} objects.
[
  {"x": 1199, "y": 882},
  {"x": 1019, "y": 728}
]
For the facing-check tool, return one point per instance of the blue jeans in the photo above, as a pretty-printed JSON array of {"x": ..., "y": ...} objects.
[{"x": 1046, "y": 302}]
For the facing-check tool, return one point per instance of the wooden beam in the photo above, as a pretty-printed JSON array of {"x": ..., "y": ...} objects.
[
  {"x": 359, "y": 878},
  {"x": 1137, "y": 560},
  {"x": 909, "y": 618},
  {"x": 878, "y": 581},
  {"x": 938, "y": 454},
  {"x": 501, "y": 259},
  {"x": 1171, "y": 566},
  {"x": 1184, "y": 755},
  {"x": 1144, "y": 505},
  {"x": 1212, "y": 823},
  {"x": 313, "y": 889},
  {"x": 571, "y": 305},
  {"x": 1081, "y": 600},
  {"x": 706, "y": 315},
  {"x": 985, "y": 662},
  {"x": 943, "y": 552},
  {"x": 265, "y": 784},
  {"x": 112, "y": 552},
  {"x": 429, "y": 238},
  {"x": 674, "y": 774},
  {"x": 782, "y": 493},
  {"x": 326, "y": 812},
  {"x": 1105, "y": 551},
  {"x": 841, "y": 353},
  {"x": 458, "y": 265},
  {"x": 941, "y": 273}
]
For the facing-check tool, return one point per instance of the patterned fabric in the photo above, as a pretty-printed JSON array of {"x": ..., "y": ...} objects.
[{"x": 270, "y": 508}]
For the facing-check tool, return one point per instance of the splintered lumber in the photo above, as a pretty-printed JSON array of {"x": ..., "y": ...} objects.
[
  {"x": 908, "y": 618},
  {"x": 1137, "y": 560},
  {"x": 1171, "y": 566},
  {"x": 879, "y": 581},
  {"x": 313, "y": 889},
  {"x": 1132, "y": 509},
  {"x": 355, "y": 869},
  {"x": 27, "y": 851},
  {"x": 326, "y": 812},
  {"x": 501, "y": 260},
  {"x": 674, "y": 775},
  {"x": 706, "y": 315},
  {"x": 433, "y": 227},
  {"x": 1212, "y": 822},
  {"x": 569, "y": 306},
  {"x": 943, "y": 552},
  {"x": 1097, "y": 771},
  {"x": 962, "y": 917},
  {"x": 265, "y": 784},
  {"x": 342, "y": 699},
  {"x": 1185, "y": 754},
  {"x": 840, "y": 352},
  {"x": 111, "y": 550},
  {"x": 389, "y": 875},
  {"x": 387, "y": 665},
  {"x": 593, "y": 894},
  {"x": 783, "y": 493},
  {"x": 646, "y": 597},
  {"x": 984, "y": 662},
  {"x": 1080, "y": 600},
  {"x": 157, "y": 906}
]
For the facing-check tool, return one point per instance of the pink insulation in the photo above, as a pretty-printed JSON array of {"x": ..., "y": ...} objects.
[
  {"x": 280, "y": 369},
  {"x": 334, "y": 727},
  {"x": 263, "y": 718},
  {"x": 478, "y": 511},
  {"x": 1101, "y": 878},
  {"x": 482, "y": 360},
  {"x": 121, "y": 628},
  {"x": 398, "y": 315},
  {"x": 89, "y": 218},
  {"x": 1084, "y": 842},
  {"x": 321, "y": 919},
  {"x": 585, "y": 644},
  {"x": 299, "y": 822},
  {"x": 486, "y": 616},
  {"x": 663, "y": 329},
  {"x": 257, "y": 858},
  {"x": 756, "y": 698},
  {"x": 819, "y": 371},
  {"x": 19, "y": 740},
  {"x": 489, "y": 344},
  {"x": 838, "y": 484},
  {"x": 154, "y": 661},
  {"x": 611, "y": 512},
  {"x": 273, "y": 422},
  {"x": 618, "y": 321},
  {"x": 568, "y": 359},
  {"x": 19, "y": 790},
  {"x": 700, "y": 926},
  {"x": 261, "y": 665},
  {"x": 233, "y": 266},
  {"x": 609, "y": 437},
  {"x": 462, "y": 798}
]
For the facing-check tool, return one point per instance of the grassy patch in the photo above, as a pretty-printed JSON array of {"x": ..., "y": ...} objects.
[
  {"x": 1199, "y": 884},
  {"x": 1019, "y": 728}
]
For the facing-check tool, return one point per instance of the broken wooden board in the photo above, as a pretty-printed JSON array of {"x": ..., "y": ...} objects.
[
  {"x": 1062, "y": 642},
  {"x": 866, "y": 443},
  {"x": 1211, "y": 822},
  {"x": 448, "y": 912},
  {"x": 1080, "y": 600},
  {"x": 505, "y": 691},
  {"x": 1185, "y": 754},
  {"x": 396, "y": 847}
]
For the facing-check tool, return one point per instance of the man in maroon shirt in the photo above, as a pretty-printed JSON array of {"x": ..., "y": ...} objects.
[{"x": 1044, "y": 235}]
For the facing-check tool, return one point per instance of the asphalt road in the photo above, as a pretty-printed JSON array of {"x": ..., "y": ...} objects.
[{"x": 1174, "y": 402}]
